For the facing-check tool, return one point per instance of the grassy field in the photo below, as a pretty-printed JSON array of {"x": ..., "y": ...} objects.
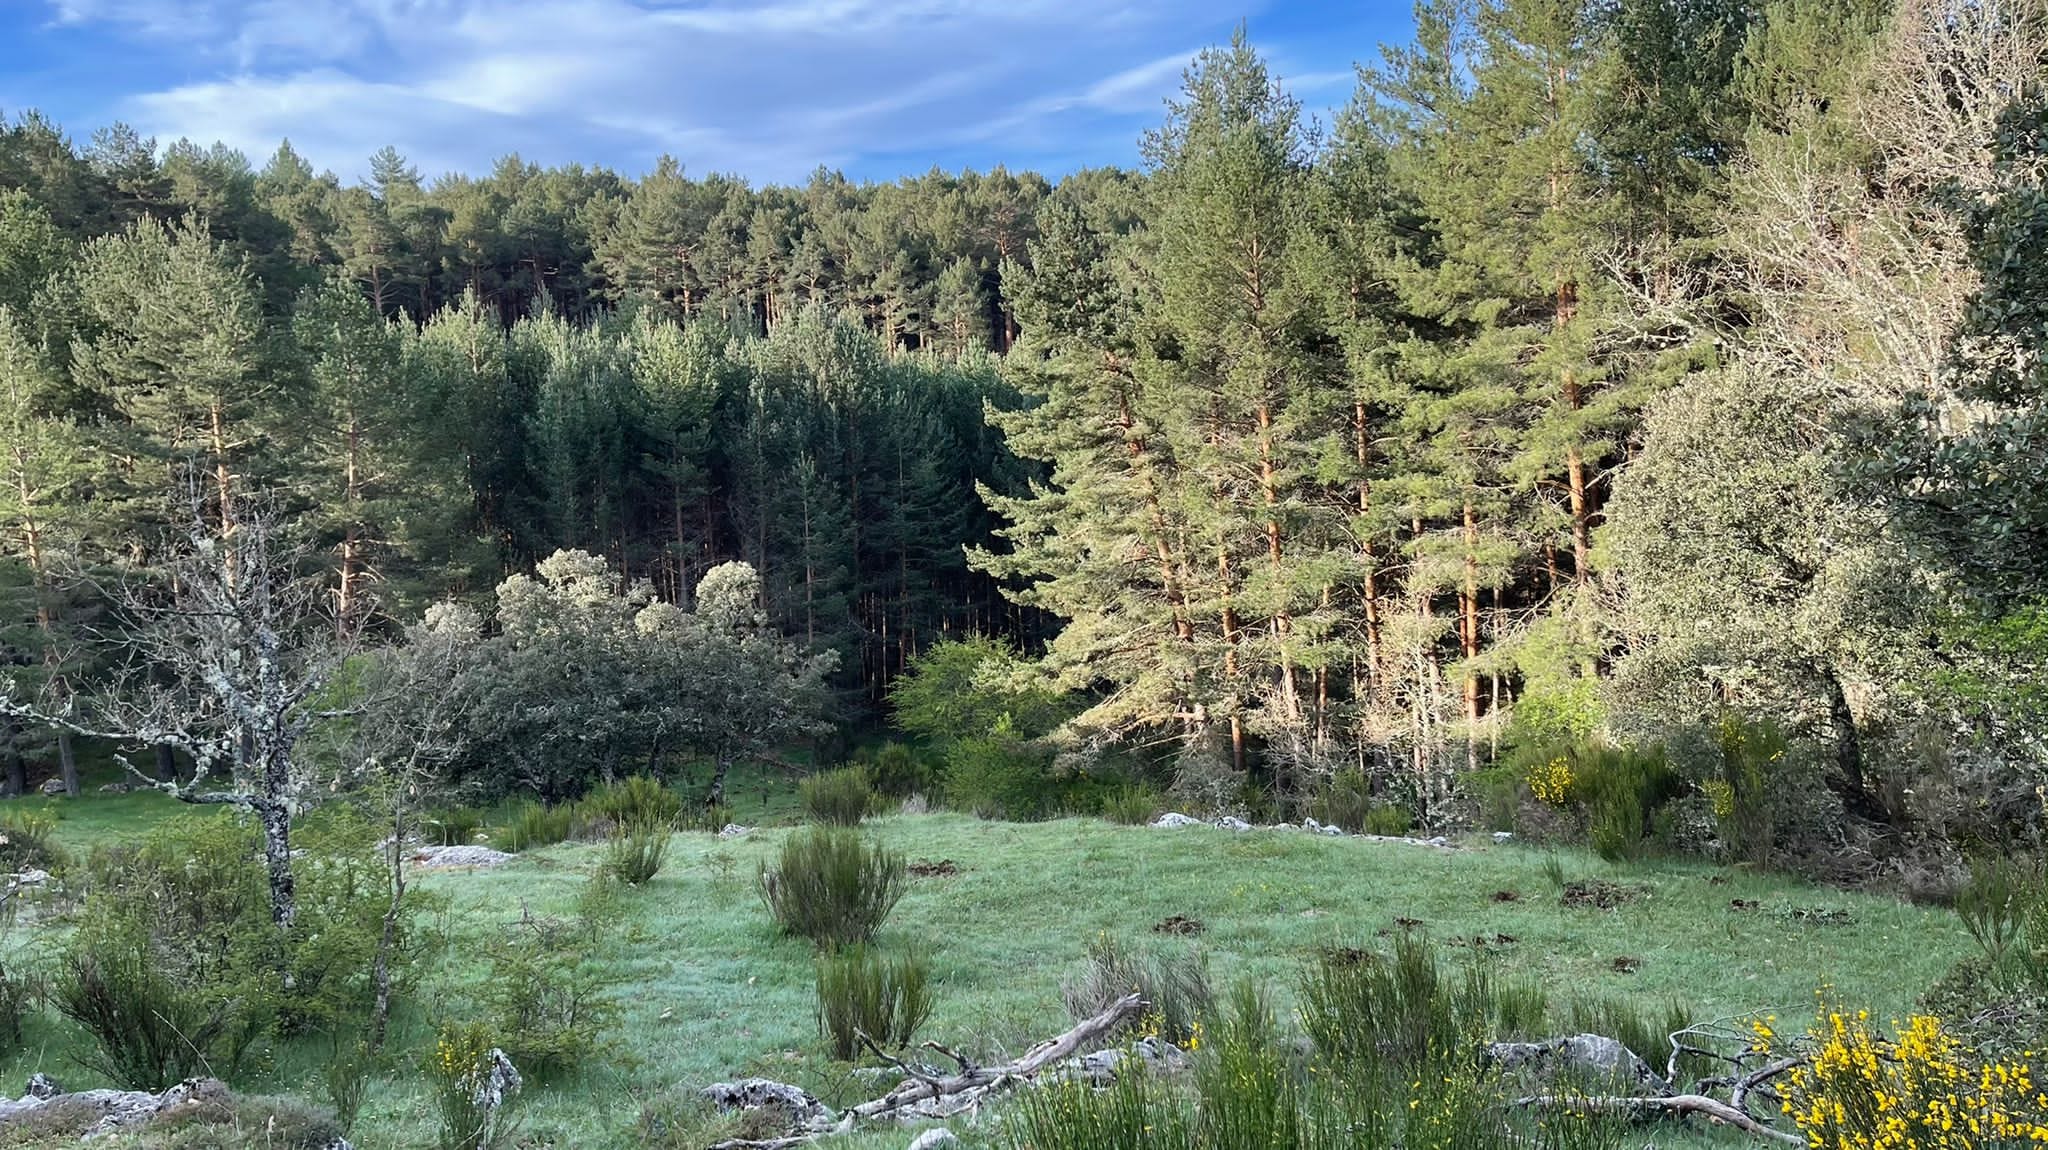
[{"x": 709, "y": 990}]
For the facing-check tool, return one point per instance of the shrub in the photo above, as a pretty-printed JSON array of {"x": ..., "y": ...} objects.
[
  {"x": 1389, "y": 820},
  {"x": 1367, "y": 1010},
  {"x": 1345, "y": 801},
  {"x": 831, "y": 886},
  {"x": 636, "y": 851},
  {"x": 1923, "y": 1088},
  {"x": 860, "y": 992},
  {"x": 452, "y": 826},
  {"x": 1648, "y": 1035},
  {"x": 840, "y": 797},
  {"x": 550, "y": 1009},
  {"x": 1177, "y": 986},
  {"x": 1001, "y": 776},
  {"x": 898, "y": 771},
  {"x": 533, "y": 825},
  {"x": 1134, "y": 1110},
  {"x": 346, "y": 1079},
  {"x": 26, "y": 843},
  {"x": 473, "y": 1088},
  {"x": 1132, "y": 805},
  {"x": 637, "y": 801},
  {"x": 711, "y": 817},
  {"x": 147, "y": 1032},
  {"x": 1994, "y": 903}
]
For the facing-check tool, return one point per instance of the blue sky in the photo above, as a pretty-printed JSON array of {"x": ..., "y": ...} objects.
[{"x": 767, "y": 89}]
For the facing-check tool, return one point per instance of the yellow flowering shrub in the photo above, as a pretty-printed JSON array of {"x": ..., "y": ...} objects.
[
  {"x": 1923, "y": 1089},
  {"x": 1721, "y": 795},
  {"x": 1551, "y": 782}
]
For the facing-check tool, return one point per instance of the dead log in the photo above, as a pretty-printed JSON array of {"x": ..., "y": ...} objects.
[
  {"x": 926, "y": 1094},
  {"x": 1674, "y": 1105}
]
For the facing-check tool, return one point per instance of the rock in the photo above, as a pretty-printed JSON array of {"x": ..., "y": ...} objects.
[
  {"x": 1176, "y": 819},
  {"x": 933, "y": 1140},
  {"x": 115, "y": 789},
  {"x": 1283, "y": 827},
  {"x": 1577, "y": 1054},
  {"x": 1101, "y": 1067},
  {"x": 53, "y": 786},
  {"x": 43, "y": 1086},
  {"x": 1233, "y": 823},
  {"x": 432, "y": 858},
  {"x": 33, "y": 876},
  {"x": 1503, "y": 836},
  {"x": 734, "y": 831},
  {"x": 798, "y": 1104}
]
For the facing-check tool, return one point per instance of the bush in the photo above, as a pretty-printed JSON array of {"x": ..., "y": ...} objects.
[
  {"x": 1390, "y": 820},
  {"x": 1345, "y": 801},
  {"x": 1402, "y": 1011},
  {"x": 710, "y": 817},
  {"x": 832, "y": 887},
  {"x": 26, "y": 843},
  {"x": 638, "y": 801},
  {"x": 472, "y": 1091},
  {"x": 1132, "y": 805},
  {"x": 860, "y": 992},
  {"x": 147, "y": 1031},
  {"x": 636, "y": 852},
  {"x": 551, "y": 1010},
  {"x": 1002, "y": 776},
  {"x": 897, "y": 771},
  {"x": 533, "y": 825},
  {"x": 452, "y": 826},
  {"x": 1177, "y": 986},
  {"x": 840, "y": 797},
  {"x": 1995, "y": 901}
]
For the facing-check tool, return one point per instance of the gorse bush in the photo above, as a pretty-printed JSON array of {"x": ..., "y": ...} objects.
[
  {"x": 861, "y": 992},
  {"x": 147, "y": 1031},
  {"x": 840, "y": 797},
  {"x": 1995, "y": 901},
  {"x": 26, "y": 842},
  {"x": 472, "y": 1092},
  {"x": 832, "y": 886},
  {"x": 549, "y": 1007},
  {"x": 637, "y": 801},
  {"x": 532, "y": 825},
  {"x": 1176, "y": 985},
  {"x": 1923, "y": 1089}
]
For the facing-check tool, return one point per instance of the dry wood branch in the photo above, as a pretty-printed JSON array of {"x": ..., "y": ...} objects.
[
  {"x": 1676, "y": 1105},
  {"x": 929, "y": 1095}
]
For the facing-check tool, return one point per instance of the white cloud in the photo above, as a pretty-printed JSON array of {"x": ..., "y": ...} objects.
[{"x": 768, "y": 90}]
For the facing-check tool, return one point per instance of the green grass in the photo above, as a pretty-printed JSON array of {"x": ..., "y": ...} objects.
[{"x": 711, "y": 991}]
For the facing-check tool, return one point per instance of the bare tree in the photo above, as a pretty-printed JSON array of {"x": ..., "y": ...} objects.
[{"x": 223, "y": 655}]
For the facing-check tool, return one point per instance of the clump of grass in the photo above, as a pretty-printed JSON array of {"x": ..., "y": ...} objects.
[
  {"x": 1404, "y": 1010},
  {"x": 1132, "y": 805},
  {"x": 839, "y": 798},
  {"x": 863, "y": 993},
  {"x": 636, "y": 852},
  {"x": 637, "y": 801},
  {"x": 533, "y": 825},
  {"x": 1177, "y": 986},
  {"x": 452, "y": 826},
  {"x": 833, "y": 887},
  {"x": 1994, "y": 903}
]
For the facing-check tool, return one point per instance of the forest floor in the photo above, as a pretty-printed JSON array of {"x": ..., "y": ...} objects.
[{"x": 710, "y": 991}]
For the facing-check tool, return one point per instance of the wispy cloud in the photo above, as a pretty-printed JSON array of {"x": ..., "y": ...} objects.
[{"x": 767, "y": 89}]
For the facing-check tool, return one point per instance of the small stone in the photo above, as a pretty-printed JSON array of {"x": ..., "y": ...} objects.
[
  {"x": 53, "y": 786},
  {"x": 734, "y": 831},
  {"x": 33, "y": 876},
  {"x": 1503, "y": 836},
  {"x": 41, "y": 1085},
  {"x": 1233, "y": 823},
  {"x": 934, "y": 1139},
  {"x": 1176, "y": 819},
  {"x": 472, "y": 856},
  {"x": 799, "y": 1105},
  {"x": 115, "y": 789}
]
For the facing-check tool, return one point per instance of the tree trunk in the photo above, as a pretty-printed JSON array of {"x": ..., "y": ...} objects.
[
  {"x": 387, "y": 938},
  {"x": 277, "y": 859},
  {"x": 1468, "y": 629},
  {"x": 166, "y": 763}
]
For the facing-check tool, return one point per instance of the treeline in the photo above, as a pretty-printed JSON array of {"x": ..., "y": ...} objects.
[
  {"x": 918, "y": 261},
  {"x": 1603, "y": 372}
]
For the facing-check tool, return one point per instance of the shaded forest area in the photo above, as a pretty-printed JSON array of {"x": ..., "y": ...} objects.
[{"x": 1605, "y": 372}]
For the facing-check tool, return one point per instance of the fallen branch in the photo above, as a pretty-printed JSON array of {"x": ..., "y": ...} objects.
[
  {"x": 1677, "y": 1105},
  {"x": 923, "y": 1094}
]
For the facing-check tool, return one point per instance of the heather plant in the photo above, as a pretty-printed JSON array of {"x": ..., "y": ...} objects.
[
  {"x": 863, "y": 993},
  {"x": 832, "y": 886}
]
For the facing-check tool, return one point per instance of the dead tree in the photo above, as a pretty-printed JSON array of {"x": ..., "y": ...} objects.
[{"x": 222, "y": 654}]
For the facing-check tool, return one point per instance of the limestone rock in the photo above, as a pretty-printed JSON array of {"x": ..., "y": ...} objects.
[
  {"x": 934, "y": 1139},
  {"x": 799, "y": 1105},
  {"x": 1233, "y": 823},
  {"x": 734, "y": 831},
  {"x": 53, "y": 786},
  {"x": 1176, "y": 819},
  {"x": 431, "y": 858},
  {"x": 43, "y": 1086}
]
